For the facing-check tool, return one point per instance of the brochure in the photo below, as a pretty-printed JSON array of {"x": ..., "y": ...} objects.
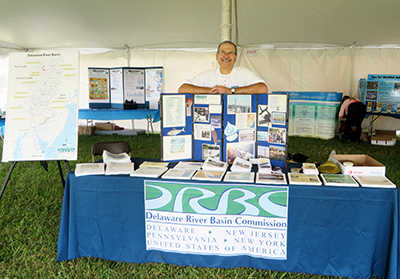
[
  {"x": 154, "y": 164},
  {"x": 239, "y": 177},
  {"x": 188, "y": 165},
  {"x": 209, "y": 175},
  {"x": 271, "y": 178},
  {"x": 214, "y": 164},
  {"x": 241, "y": 165},
  {"x": 310, "y": 168},
  {"x": 338, "y": 180},
  {"x": 116, "y": 158},
  {"x": 119, "y": 168},
  {"x": 304, "y": 179},
  {"x": 178, "y": 174},
  {"x": 264, "y": 165},
  {"x": 89, "y": 169},
  {"x": 149, "y": 171},
  {"x": 374, "y": 181}
]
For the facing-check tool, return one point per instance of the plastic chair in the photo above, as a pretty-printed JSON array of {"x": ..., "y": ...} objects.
[{"x": 111, "y": 146}]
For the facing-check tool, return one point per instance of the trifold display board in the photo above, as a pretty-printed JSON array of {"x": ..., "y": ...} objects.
[
  {"x": 381, "y": 94},
  {"x": 197, "y": 126},
  {"x": 111, "y": 87}
]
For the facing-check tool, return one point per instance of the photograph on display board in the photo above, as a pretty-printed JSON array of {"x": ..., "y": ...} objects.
[
  {"x": 177, "y": 147},
  {"x": 372, "y": 84},
  {"x": 277, "y": 153},
  {"x": 174, "y": 111},
  {"x": 263, "y": 151},
  {"x": 277, "y": 135},
  {"x": 211, "y": 150},
  {"x": 278, "y": 118},
  {"x": 202, "y": 132},
  {"x": 239, "y": 104},
  {"x": 201, "y": 114},
  {"x": 372, "y": 95},
  {"x": 264, "y": 116},
  {"x": 216, "y": 121},
  {"x": 244, "y": 150},
  {"x": 247, "y": 135},
  {"x": 262, "y": 136},
  {"x": 246, "y": 121}
]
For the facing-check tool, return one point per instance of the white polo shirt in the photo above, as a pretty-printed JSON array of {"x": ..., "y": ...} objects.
[{"x": 239, "y": 77}]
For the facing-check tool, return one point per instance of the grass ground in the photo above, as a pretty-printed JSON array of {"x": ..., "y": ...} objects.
[{"x": 31, "y": 206}]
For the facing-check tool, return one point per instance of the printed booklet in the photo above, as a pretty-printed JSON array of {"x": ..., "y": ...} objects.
[
  {"x": 149, "y": 171},
  {"x": 89, "y": 169},
  {"x": 178, "y": 174},
  {"x": 208, "y": 175},
  {"x": 338, "y": 180},
  {"x": 119, "y": 168},
  {"x": 304, "y": 179},
  {"x": 271, "y": 178},
  {"x": 374, "y": 181},
  {"x": 239, "y": 177}
]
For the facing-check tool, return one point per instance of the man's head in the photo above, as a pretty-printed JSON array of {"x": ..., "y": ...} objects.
[{"x": 226, "y": 56}]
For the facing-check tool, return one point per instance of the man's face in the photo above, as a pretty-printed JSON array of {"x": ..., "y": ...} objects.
[{"x": 226, "y": 56}]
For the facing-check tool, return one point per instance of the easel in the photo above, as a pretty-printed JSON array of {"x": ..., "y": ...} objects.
[{"x": 44, "y": 165}]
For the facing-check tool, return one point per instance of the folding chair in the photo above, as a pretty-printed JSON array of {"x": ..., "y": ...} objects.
[{"x": 111, "y": 146}]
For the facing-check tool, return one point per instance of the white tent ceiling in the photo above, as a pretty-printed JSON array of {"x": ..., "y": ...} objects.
[{"x": 44, "y": 24}]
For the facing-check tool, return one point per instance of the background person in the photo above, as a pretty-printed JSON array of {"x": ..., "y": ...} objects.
[
  {"x": 226, "y": 78},
  {"x": 354, "y": 111}
]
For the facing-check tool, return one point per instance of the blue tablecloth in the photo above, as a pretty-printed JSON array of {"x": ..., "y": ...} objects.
[
  {"x": 119, "y": 114},
  {"x": 337, "y": 231}
]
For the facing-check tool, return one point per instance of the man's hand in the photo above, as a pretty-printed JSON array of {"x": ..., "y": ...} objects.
[{"x": 220, "y": 89}]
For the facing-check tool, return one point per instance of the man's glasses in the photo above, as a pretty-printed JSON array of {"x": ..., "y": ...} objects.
[{"x": 230, "y": 53}]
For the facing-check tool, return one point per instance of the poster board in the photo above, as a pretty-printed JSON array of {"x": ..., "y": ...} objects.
[
  {"x": 99, "y": 87},
  {"x": 381, "y": 94},
  {"x": 224, "y": 127},
  {"x": 313, "y": 114},
  {"x": 42, "y": 112}
]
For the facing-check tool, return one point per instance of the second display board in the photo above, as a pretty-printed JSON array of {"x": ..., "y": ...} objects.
[{"x": 197, "y": 126}]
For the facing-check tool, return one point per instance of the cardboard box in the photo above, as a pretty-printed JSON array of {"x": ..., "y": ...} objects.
[
  {"x": 105, "y": 126},
  {"x": 384, "y": 137},
  {"x": 89, "y": 130},
  {"x": 363, "y": 165}
]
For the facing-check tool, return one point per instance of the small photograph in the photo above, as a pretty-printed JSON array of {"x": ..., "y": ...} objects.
[
  {"x": 264, "y": 116},
  {"x": 215, "y": 121},
  {"x": 389, "y": 107},
  {"x": 239, "y": 104},
  {"x": 247, "y": 135},
  {"x": 278, "y": 118},
  {"x": 188, "y": 104},
  {"x": 263, "y": 151},
  {"x": 177, "y": 145},
  {"x": 277, "y": 135},
  {"x": 263, "y": 136},
  {"x": 371, "y": 95},
  {"x": 210, "y": 150},
  {"x": 202, "y": 132},
  {"x": 396, "y": 86},
  {"x": 243, "y": 150},
  {"x": 201, "y": 114},
  {"x": 277, "y": 153},
  {"x": 398, "y": 108},
  {"x": 372, "y": 84}
]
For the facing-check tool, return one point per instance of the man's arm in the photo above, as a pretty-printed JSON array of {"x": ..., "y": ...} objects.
[
  {"x": 250, "y": 89},
  {"x": 189, "y": 88}
]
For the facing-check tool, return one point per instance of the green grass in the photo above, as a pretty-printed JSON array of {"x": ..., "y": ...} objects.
[{"x": 31, "y": 206}]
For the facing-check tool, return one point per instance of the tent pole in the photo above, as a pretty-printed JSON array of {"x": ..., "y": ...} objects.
[{"x": 226, "y": 22}]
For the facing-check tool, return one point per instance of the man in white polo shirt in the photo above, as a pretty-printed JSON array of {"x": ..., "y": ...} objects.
[{"x": 226, "y": 78}]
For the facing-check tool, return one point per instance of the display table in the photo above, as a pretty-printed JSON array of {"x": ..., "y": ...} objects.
[
  {"x": 151, "y": 115},
  {"x": 338, "y": 231}
]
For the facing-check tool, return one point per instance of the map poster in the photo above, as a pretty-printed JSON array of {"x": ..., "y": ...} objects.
[
  {"x": 42, "y": 112},
  {"x": 217, "y": 219}
]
